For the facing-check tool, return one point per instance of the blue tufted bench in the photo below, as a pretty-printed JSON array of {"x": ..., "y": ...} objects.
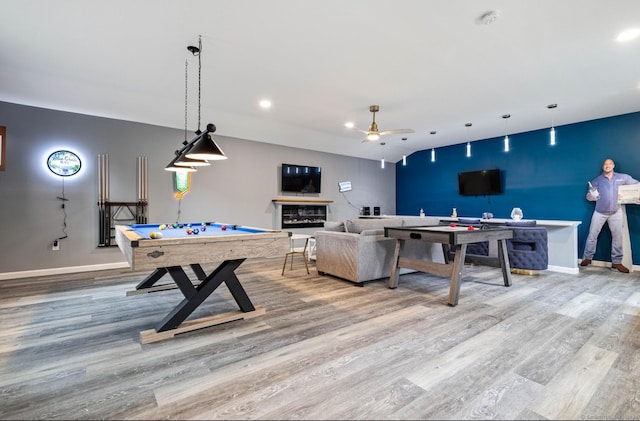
[{"x": 528, "y": 249}]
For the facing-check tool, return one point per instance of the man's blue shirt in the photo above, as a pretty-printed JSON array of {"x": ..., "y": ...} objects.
[{"x": 608, "y": 189}]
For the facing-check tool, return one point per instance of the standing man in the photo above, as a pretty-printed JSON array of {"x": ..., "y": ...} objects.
[{"x": 604, "y": 192}]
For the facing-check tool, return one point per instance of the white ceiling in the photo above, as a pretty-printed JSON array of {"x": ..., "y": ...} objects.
[{"x": 429, "y": 65}]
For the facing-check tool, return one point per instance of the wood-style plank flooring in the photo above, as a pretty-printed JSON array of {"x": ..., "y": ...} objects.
[{"x": 551, "y": 346}]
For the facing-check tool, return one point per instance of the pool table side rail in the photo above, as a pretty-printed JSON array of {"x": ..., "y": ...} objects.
[{"x": 143, "y": 254}]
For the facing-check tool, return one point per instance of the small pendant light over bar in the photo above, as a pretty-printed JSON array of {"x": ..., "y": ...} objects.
[
  {"x": 552, "y": 132},
  {"x": 468, "y": 125},
  {"x": 506, "y": 135},
  {"x": 433, "y": 150}
]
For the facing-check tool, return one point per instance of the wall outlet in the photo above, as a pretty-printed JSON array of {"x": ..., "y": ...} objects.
[{"x": 55, "y": 245}]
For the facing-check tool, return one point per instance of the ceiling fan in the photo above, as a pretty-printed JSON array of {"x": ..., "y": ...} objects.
[{"x": 373, "y": 134}]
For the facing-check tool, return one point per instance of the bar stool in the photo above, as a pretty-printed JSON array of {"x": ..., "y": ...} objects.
[{"x": 297, "y": 250}]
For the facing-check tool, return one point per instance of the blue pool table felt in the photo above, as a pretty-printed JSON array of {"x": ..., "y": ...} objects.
[{"x": 212, "y": 229}]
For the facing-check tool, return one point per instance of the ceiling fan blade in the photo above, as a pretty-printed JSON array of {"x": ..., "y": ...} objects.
[
  {"x": 357, "y": 129},
  {"x": 396, "y": 131}
]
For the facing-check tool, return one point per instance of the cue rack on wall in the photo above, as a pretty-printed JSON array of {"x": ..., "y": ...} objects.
[{"x": 120, "y": 213}]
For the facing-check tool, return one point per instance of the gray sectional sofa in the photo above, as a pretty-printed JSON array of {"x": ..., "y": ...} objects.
[{"x": 358, "y": 251}]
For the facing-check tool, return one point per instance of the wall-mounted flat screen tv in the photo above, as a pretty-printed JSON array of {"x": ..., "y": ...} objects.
[
  {"x": 480, "y": 183},
  {"x": 301, "y": 178}
]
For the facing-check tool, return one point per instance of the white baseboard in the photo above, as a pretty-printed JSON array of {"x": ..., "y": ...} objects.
[
  {"x": 599, "y": 263},
  {"x": 60, "y": 271},
  {"x": 563, "y": 269}
]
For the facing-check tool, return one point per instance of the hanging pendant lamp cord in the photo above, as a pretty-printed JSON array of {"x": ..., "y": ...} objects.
[
  {"x": 199, "y": 76},
  {"x": 186, "y": 73}
]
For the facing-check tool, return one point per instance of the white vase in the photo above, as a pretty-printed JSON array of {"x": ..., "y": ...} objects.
[{"x": 516, "y": 214}]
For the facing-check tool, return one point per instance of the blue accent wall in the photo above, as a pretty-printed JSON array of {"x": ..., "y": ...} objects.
[{"x": 546, "y": 182}]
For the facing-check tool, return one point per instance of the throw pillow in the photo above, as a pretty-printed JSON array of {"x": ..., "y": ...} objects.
[
  {"x": 358, "y": 225},
  {"x": 334, "y": 226}
]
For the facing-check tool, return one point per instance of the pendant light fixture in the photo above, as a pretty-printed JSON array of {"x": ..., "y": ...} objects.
[
  {"x": 179, "y": 163},
  {"x": 552, "y": 132},
  {"x": 468, "y": 125},
  {"x": 205, "y": 147},
  {"x": 433, "y": 151},
  {"x": 404, "y": 157},
  {"x": 382, "y": 160},
  {"x": 202, "y": 148},
  {"x": 506, "y": 132},
  {"x": 182, "y": 160}
]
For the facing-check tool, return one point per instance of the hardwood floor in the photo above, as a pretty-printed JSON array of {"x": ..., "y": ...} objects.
[{"x": 551, "y": 346}]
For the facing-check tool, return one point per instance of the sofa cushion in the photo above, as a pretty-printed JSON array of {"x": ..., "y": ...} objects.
[
  {"x": 377, "y": 231},
  {"x": 420, "y": 221},
  {"x": 529, "y": 223},
  {"x": 357, "y": 225},
  {"x": 334, "y": 226},
  {"x": 469, "y": 221}
]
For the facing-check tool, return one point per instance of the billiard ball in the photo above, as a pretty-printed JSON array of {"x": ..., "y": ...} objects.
[
  {"x": 162, "y": 226},
  {"x": 189, "y": 231},
  {"x": 175, "y": 225},
  {"x": 180, "y": 226},
  {"x": 470, "y": 228},
  {"x": 155, "y": 234},
  {"x": 203, "y": 228},
  {"x": 234, "y": 227},
  {"x": 223, "y": 228},
  {"x": 196, "y": 231}
]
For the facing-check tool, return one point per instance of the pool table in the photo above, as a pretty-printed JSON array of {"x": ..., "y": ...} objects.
[{"x": 177, "y": 248}]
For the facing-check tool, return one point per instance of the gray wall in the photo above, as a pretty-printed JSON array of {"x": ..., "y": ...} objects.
[{"x": 238, "y": 190}]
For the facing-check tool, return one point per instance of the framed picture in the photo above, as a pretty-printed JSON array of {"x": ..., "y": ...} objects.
[
  {"x": 629, "y": 193},
  {"x": 3, "y": 144}
]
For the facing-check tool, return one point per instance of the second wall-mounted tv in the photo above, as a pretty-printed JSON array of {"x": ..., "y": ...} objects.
[
  {"x": 480, "y": 183},
  {"x": 301, "y": 178}
]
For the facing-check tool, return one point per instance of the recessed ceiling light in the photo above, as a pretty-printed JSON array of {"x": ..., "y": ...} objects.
[
  {"x": 265, "y": 103},
  {"x": 628, "y": 35}
]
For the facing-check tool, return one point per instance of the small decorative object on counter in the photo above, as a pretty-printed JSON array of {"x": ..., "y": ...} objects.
[
  {"x": 516, "y": 214},
  {"x": 454, "y": 213}
]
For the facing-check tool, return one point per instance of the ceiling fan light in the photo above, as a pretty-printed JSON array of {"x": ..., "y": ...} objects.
[
  {"x": 373, "y": 137},
  {"x": 207, "y": 149}
]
